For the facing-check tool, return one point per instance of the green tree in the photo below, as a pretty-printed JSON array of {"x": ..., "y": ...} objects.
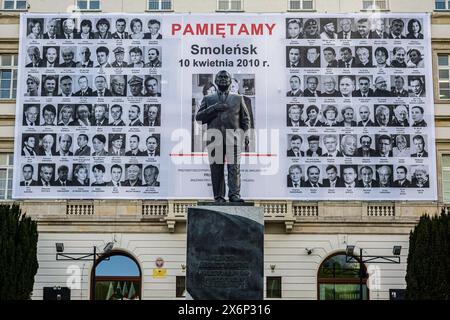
[
  {"x": 428, "y": 270},
  {"x": 18, "y": 253}
]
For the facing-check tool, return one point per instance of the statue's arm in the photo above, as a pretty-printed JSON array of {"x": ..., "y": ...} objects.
[
  {"x": 205, "y": 113},
  {"x": 244, "y": 116}
]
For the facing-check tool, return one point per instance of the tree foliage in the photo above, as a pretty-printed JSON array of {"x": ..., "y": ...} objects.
[
  {"x": 428, "y": 270},
  {"x": 18, "y": 253}
]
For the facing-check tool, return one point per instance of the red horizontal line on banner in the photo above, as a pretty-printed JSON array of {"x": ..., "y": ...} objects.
[{"x": 205, "y": 154}]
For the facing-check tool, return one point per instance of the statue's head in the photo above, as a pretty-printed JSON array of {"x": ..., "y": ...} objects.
[{"x": 223, "y": 80}]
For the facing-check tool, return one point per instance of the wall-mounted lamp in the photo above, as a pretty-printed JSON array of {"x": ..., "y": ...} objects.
[
  {"x": 272, "y": 267},
  {"x": 309, "y": 250},
  {"x": 59, "y": 247},
  {"x": 183, "y": 267}
]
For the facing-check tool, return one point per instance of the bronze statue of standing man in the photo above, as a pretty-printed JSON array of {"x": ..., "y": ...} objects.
[{"x": 227, "y": 119}]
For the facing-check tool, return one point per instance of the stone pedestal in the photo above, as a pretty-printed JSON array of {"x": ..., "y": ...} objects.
[{"x": 225, "y": 252}]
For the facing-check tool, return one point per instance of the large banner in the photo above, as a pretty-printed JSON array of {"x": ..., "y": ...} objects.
[{"x": 341, "y": 106}]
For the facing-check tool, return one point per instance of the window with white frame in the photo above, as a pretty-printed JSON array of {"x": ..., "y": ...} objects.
[
  {"x": 88, "y": 4},
  {"x": 446, "y": 178},
  {"x": 159, "y": 5},
  {"x": 444, "y": 76},
  {"x": 295, "y": 5},
  {"x": 442, "y": 5},
  {"x": 229, "y": 5},
  {"x": 15, "y": 4},
  {"x": 375, "y": 5},
  {"x": 6, "y": 175},
  {"x": 8, "y": 76}
]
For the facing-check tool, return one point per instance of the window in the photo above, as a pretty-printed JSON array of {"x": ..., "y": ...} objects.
[
  {"x": 88, "y": 5},
  {"x": 446, "y": 178},
  {"x": 229, "y": 5},
  {"x": 159, "y": 5},
  {"x": 375, "y": 5},
  {"x": 339, "y": 280},
  {"x": 117, "y": 277},
  {"x": 273, "y": 287},
  {"x": 14, "y": 4},
  {"x": 295, "y": 5},
  {"x": 443, "y": 79},
  {"x": 442, "y": 5},
  {"x": 8, "y": 76},
  {"x": 180, "y": 290},
  {"x": 6, "y": 175}
]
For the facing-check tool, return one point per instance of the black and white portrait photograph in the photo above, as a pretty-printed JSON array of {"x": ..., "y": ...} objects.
[
  {"x": 294, "y": 114},
  {"x": 64, "y": 147},
  {"x": 83, "y": 145},
  {"x": 153, "y": 56},
  {"x": 81, "y": 174},
  {"x": 48, "y": 116},
  {"x": 293, "y": 56},
  {"x": 30, "y": 143},
  {"x": 295, "y": 177},
  {"x": 47, "y": 145},
  {"x": 116, "y": 144},
  {"x": 31, "y": 113},
  {"x": 29, "y": 175},
  {"x": 50, "y": 85},
  {"x": 46, "y": 174},
  {"x": 35, "y": 28},
  {"x": 294, "y": 28},
  {"x": 133, "y": 175},
  {"x": 152, "y": 115}
]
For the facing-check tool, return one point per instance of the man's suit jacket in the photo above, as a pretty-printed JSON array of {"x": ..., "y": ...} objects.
[
  {"x": 291, "y": 124},
  {"x": 59, "y": 183},
  {"x": 127, "y": 183},
  {"x": 43, "y": 64},
  {"x": 113, "y": 153},
  {"x": 138, "y": 123},
  {"x": 326, "y": 183},
  {"x": 342, "y": 124},
  {"x": 115, "y": 64},
  {"x": 308, "y": 93},
  {"x": 70, "y": 153},
  {"x": 32, "y": 183},
  {"x": 115, "y": 35},
  {"x": 390, "y": 154},
  {"x": 309, "y": 152},
  {"x": 89, "y": 93},
  {"x": 24, "y": 122},
  {"x": 368, "y": 124},
  {"x": 332, "y": 64},
  {"x": 290, "y": 184},
  {"x": 424, "y": 154},
  {"x": 107, "y": 93},
  {"x": 71, "y": 64},
  {"x": 292, "y": 94},
  {"x": 372, "y": 153},
  {"x": 85, "y": 152},
  {"x": 156, "y": 123},
  {"x": 235, "y": 115},
  {"x": 103, "y": 123},
  {"x": 405, "y": 184},
  {"x": 111, "y": 184},
  {"x": 139, "y": 153},
  {"x": 353, "y": 35},
  {"x": 38, "y": 64},
  {"x": 391, "y": 36},
  {"x": 154, "y": 184},
  {"x": 374, "y": 35},
  {"x": 147, "y": 154},
  {"x": 308, "y": 184},
  {"x": 291, "y": 153},
  {"x": 28, "y": 152},
  {"x": 57, "y": 36},
  {"x": 422, "y": 94},
  {"x": 341, "y": 63},
  {"x": 308, "y": 64},
  {"x": 374, "y": 184},
  {"x": 338, "y": 154},
  {"x": 90, "y": 64},
  {"x": 119, "y": 124},
  {"x": 41, "y": 184},
  {"x": 361, "y": 65},
  {"x": 358, "y": 93},
  {"x": 381, "y": 93},
  {"x": 403, "y": 93}
]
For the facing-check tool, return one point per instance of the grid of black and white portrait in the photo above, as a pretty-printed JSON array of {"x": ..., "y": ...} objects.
[
  {"x": 91, "y": 109},
  {"x": 358, "y": 105}
]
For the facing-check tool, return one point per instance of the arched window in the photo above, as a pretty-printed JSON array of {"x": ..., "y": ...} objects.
[
  {"x": 340, "y": 280},
  {"x": 117, "y": 277}
]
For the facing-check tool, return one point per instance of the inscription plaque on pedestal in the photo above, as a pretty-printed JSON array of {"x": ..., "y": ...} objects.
[{"x": 225, "y": 253}]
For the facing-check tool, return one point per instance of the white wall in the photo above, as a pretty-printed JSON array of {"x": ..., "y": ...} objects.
[{"x": 286, "y": 251}]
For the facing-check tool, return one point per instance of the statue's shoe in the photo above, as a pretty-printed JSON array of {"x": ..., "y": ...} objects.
[{"x": 236, "y": 199}]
